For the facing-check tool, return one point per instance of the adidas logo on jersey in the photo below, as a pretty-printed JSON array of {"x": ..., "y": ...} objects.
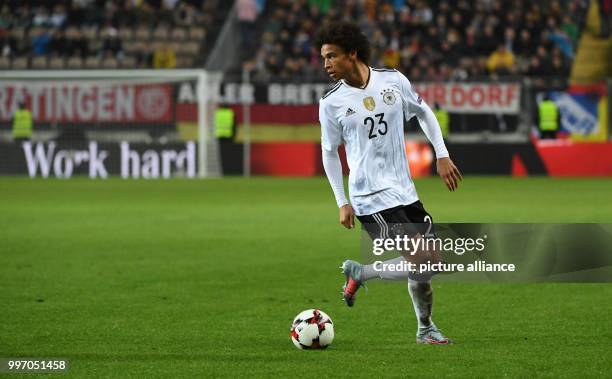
[{"x": 349, "y": 112}]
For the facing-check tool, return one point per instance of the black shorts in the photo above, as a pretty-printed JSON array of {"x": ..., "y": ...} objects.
[{"x": 403, "y": 220}]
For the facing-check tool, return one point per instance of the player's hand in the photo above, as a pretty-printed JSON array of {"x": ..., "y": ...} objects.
[
  {"x": 449, "y": 173},
  {"x": 347, "y": 216}
]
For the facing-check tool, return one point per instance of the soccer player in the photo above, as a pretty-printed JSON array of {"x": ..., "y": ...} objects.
[{"x": 365, "y": 111}]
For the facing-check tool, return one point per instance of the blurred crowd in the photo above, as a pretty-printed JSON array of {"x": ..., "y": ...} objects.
[
  {"x": 149, "y": 32},
  {"x": 433, "y": 40}
]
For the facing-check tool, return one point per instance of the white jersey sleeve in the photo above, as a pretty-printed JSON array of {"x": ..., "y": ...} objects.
[
  {"x": 333, "y": 171},
  {"x": 331, "y": 138},
  {"x": 331, "y": 131},
  {"x": 415, "y": 106}
]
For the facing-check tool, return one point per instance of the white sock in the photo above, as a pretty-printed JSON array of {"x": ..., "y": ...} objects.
[
  {"x": 368, "y": 272},
  {"x": 422, "y": 300}
]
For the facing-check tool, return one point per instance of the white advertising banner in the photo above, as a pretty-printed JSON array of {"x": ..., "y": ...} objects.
[{"x": 481, "y": 98}]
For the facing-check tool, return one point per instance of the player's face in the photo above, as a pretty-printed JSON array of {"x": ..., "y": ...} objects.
[{"x": 336, "y": 61}]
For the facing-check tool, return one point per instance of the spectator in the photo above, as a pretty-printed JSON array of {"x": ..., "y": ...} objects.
[
  {"x": 467, "y": 29},
  {"x": 570, "y": 29},
  {"x": 487, "y": 42},
  {"x": 59, "y": 43},
  {"x": 479, "y": 68},
  {"x": 422, "y": 14},
  {"x": 501, "y": 61},
  {"x": 525, "y": 45},
  {"x": 370, "y": 9},
  {"x": 77, "y": 44},
  {"x": 23, "y": 17},
  {"x": 273, "y": 64},
  {"x": 144, "y": 57},
  {"x": 287, "y": 42},
  {"x": 443, "y": 119},
  {"x": 473, "y": 29},
  {"x": 58, "y": 17},
  {"x": 8, "y": 45},
  {"x": 291, "y": 24},
  {"x": 55, "y": 28},
  {"x": 399, "y": 5},
  {"x": 261, "y": 5},
  {"x": 302, "y": 44},
  {"x": 164, "y": 57},
  {"x": 462, "y": 72},
  {"x": 22, "y": 124},
  {"x": 275, "y": 23},
  {"x": 247, "y": 15},
  {"x": 391, "y": 58},
  {"x": 535, "y": 67},
  {"x": 185, "y": 14},
  {"x": 169, "y": 4},
  {"x": 549, "y": 118},
  {"x": 112, "y": 43},
  {"x": 562, "y": 41},
  {"x": 543, "y": 57},
  {"x": 457, "y": 22},
  {"x": 470, "y": 40},
  {"x": 41, "y": 17},
  {"x": 450, "y": 53},
  {"x": 40, "y": 41},
  {"x": 509, "y": 39},
  {"x": 79, "y": 13},
  {"x": 559, "y": 68},
  {"x": 166, "y": 13},
  {"x": 6, "y": 18}
]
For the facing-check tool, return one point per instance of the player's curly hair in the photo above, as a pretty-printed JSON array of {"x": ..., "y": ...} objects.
[{"x": 347, "y": 36}]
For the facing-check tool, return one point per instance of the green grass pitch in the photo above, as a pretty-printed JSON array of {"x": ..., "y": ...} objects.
[{"x": 198, "y": 278}]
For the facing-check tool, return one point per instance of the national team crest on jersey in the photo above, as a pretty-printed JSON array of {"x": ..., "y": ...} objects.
[
  {"x": 369, "y": 103},
  {"x": 388, "y": 96}
]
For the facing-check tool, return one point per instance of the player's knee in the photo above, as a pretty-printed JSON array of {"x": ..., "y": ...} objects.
[{"x": 420, "y": 277}]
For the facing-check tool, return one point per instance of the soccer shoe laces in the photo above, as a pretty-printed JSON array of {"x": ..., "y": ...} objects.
[{"x": 435, "y": 333}]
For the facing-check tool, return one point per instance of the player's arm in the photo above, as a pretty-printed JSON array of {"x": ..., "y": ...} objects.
[
  {"x": 415, "y": 105},
  {"x": 330, "y": 140},
  {"x": 444, "y": 165},
  {"x": 333, "y": 171}
]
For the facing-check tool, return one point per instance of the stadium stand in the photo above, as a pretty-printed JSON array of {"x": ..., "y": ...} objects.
[
  {"x": 75, "y": 34},
  {"x": 428, "y": 40}
]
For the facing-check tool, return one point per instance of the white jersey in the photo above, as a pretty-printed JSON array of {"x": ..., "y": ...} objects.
[{"x": 370, "y": 124}]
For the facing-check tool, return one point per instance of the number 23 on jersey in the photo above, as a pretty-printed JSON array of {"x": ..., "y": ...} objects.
[{"x": 376, "y": 128}]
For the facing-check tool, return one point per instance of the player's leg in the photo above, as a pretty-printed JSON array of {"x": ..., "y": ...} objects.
[
  {"x": 385, "y": 224},
  {"x": 366, "y": 272},
  {"x": 357, "y": 274},
  {"x": 421, "y": 294},
  {"x": 419, "y": 286},
  {"x": 352, "y": 270},
  {"x": 391, "y": 223},
  {"x": 414, "y": 221}
]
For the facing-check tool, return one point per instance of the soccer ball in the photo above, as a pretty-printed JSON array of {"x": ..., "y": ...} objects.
[{"x": 312, "y": 329}]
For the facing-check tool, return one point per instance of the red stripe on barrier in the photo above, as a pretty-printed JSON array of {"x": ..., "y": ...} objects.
[
  {"x": 566, "y": 158},
  {"x": 285, "y": 159}
]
